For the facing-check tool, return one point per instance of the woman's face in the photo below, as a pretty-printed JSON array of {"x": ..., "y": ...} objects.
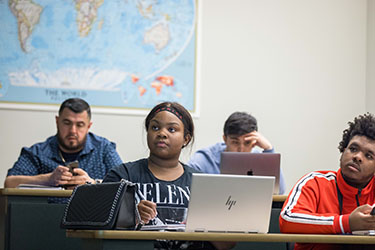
[{"x": 165, "y": 135}]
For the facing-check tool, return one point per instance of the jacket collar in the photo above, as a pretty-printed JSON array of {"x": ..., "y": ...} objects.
[{"x": 346, "y": 189}]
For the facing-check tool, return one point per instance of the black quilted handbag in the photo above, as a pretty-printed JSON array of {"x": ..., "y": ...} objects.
[{"x": 109, "y": 205}]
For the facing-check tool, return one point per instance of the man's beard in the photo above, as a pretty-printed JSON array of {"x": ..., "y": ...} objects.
[{"x": 70, "y": 148}]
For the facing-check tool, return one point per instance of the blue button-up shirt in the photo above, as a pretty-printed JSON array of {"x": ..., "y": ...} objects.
[
  {"x": 207, "y": 160},
  {"x": 97, "y": 157}
]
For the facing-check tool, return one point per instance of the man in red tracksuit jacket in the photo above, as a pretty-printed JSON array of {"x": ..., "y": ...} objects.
[{"x": 329, "y": 202}]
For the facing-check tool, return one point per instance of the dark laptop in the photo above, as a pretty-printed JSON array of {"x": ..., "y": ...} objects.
[{"x": 259, "y": 164}]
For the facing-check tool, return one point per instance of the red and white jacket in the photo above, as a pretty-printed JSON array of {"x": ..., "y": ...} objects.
[{"x": 313, "y": 205}]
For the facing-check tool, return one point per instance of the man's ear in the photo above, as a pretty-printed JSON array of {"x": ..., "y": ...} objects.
[
  {"x": 89, "y": 126},
  {"x": 57, "y": 121},
  {"x": 225, "y": 139}
]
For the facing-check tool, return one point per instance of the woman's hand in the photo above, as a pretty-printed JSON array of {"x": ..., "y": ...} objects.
[{"x": 147, "y": 210}]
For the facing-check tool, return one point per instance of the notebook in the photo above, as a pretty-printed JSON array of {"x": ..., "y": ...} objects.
[
  {"x": 35, "y": 186},
  {"x": 259, "y": 164},
  {"x": 230, "y": 203}
]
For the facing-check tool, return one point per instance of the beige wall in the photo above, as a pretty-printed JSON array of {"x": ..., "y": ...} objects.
[
  {"x": 370, "y": 87},
  {"x": 299, "y": 66}
]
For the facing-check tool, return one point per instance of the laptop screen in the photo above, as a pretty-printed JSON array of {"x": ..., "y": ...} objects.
[{"x": 258, "y": 164}]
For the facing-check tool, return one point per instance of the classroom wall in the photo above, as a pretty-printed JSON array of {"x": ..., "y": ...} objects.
[
  {"x": 299, "y": 66},
  {"x": 370, "y": 87}
]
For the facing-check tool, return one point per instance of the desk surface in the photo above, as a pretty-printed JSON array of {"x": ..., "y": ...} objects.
[
  {"x": 272, "y": 237},
  {"x": 279, "y": 198},
  {"x": 35, "y": 192},
  {"x": 67, "y": 193}
]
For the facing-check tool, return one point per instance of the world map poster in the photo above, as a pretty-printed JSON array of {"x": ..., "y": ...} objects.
[{"x": 115, "y": 54}]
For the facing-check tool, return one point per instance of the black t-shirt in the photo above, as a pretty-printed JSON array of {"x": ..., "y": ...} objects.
[{"x": 171, "y": 197}]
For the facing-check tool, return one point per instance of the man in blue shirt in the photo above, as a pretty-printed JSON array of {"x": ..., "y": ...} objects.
[
  {"x": 46, "y": 163},
  {"x": 240, "y": 135}
]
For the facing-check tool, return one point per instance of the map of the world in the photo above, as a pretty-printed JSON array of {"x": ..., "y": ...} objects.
[{"x": 122, "y": 54}]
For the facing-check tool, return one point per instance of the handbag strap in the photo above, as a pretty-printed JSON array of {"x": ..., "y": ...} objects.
[{"x": 139, "y": 223}]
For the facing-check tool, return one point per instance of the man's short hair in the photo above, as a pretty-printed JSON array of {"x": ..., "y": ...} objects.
[
  {"x": 363, "y": 125},
  {"x": 240, "y": 123},
  {"x": 77, "y": 105}
]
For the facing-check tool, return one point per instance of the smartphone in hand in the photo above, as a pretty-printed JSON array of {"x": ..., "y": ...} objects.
[
  {"x": 372, "y": 211},
  {"x": 72, "y": 165}
]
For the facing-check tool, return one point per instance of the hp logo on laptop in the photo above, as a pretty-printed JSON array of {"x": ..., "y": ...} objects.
[{"x": 230, "y": 202}]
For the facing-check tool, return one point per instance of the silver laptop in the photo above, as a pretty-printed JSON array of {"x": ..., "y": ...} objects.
[
  {"x": 230, "y": 203},
  {"x": 259, "y": 164}
]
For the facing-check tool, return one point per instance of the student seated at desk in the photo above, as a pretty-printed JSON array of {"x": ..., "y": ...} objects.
[
  {"x": 45, "y": 163},
  {"x": 164, "y": 182},
  {"x": 240, "y": 135},
  {"x": 336, "y": 202}
]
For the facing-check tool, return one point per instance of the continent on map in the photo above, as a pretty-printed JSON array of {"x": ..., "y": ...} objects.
[
  {"x": 145, "y": 8},
  {"x": 160, "y": 81},
  {"x": 142, "y": 90},
  {"x": 87, "y": 11},
  {"x": 158, "y": 36},
  {"x": 28, "y": 14}
]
